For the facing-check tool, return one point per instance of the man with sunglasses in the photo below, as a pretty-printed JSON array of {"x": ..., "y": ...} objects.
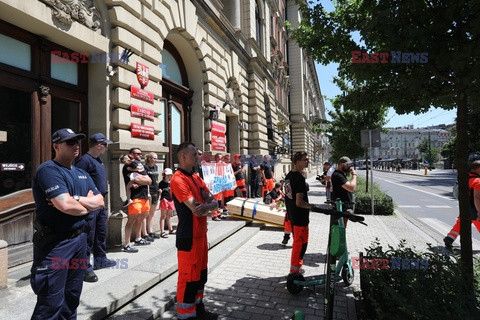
[
  {"x": 64, "y": 195},
  {"x": 140, "y": 207},
  {"x": 342, "y": 188},
  {"x": 97, "y": 220}
]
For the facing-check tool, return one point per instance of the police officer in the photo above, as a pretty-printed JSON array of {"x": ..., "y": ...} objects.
[
  {"x": 192, "y": 201},
  {"x": 64, "y": 195},
  {"x": 97, "y": 220}
]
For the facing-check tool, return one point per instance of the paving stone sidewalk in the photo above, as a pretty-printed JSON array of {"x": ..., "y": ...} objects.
[{"x": 251, "y": 283}]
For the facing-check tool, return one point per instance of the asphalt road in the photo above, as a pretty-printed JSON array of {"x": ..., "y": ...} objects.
[{"x": 429, "y": 199}]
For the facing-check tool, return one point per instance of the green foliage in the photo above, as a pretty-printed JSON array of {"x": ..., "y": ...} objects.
[
  {"x": 345, "y": 127},
  {"x": 473, "y": 123},
  {"x": 447, "y": 30},
  {"x": 434, "y": 292},
  {"x": 383, "y": 203}
]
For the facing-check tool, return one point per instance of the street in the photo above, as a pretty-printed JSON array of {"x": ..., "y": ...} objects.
[{"x": 425, "y": 199}]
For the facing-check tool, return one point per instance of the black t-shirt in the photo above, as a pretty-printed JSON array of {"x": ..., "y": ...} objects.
[
  {"x": 142, "y": 191},
  {"x": 295, "y": 183},
  {"x": 267, "y": 171},
  {"x": 254, "y": 173},
  {"x": 153, "y": 173},
  {"x": 338, "y": 192},
  {"x": 165, "y": 186},
  {"x": 235, "y": 167},
  {"x": 274, "y": 194}
]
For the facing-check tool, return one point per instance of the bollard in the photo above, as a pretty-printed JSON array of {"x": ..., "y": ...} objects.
[
  {"x": 3, "y": 264},
  {"x": 426, "y": 170}
]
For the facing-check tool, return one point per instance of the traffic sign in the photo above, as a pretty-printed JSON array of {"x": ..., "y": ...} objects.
[{"x": 375, "y": 138}]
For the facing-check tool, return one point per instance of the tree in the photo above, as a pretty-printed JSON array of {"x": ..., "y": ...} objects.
[
  {"x": 448, "y": 149},
  {"x": 344, "y": 129},
  {"x": 412, "y": 55},
  {"x": 430, "y": 154},
  {"x": 473, "y": 123}
]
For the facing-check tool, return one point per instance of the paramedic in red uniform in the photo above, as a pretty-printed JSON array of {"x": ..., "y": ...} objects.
[{"x": 192, "y": 201}]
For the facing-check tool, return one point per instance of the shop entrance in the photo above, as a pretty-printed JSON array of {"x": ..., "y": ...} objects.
[{"x": 38, "y": 97}]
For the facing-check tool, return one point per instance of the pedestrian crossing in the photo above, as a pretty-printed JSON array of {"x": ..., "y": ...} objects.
[{"x": 426, "y": 206}]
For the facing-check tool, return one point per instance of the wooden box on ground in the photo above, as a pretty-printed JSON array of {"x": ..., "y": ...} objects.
[{"x": 256, "y": 210}]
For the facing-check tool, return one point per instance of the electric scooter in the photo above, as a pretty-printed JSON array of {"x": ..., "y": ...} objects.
[{"x": 336, "y": 249}]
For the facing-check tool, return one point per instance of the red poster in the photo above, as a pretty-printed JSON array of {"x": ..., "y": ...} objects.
[
  {"x": 140, "y": 94},
  {"x": 142, "y": 113},
  {"x": 142, "y": 74},
  {"x": 141, "y": 131},
  {"x": 218, "y": 137}
]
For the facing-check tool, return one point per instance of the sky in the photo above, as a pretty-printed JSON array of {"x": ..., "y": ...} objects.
[{"x": 434, "y": 116}]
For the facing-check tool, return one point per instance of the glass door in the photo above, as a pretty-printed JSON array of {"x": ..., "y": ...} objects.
[{"x": 16, "y": 152}]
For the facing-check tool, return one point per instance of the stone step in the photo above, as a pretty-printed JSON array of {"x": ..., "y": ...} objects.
[
  {"x": 134, "y": 274},
  {"x": 154, "y": 302}
]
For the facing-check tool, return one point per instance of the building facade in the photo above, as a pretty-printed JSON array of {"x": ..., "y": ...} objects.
[
  {"x": 149, "y": 74},
  {"x": 403, "y": 142}
]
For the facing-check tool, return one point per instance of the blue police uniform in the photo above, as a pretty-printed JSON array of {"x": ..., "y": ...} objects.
[
  {"x": 96, "y": 220},
  {"x": 59, "y": 265}
]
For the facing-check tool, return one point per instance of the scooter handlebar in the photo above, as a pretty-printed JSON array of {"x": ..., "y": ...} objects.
[{"x": 338, "y": 214}]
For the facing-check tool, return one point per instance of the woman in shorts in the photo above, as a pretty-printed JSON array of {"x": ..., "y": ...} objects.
[{"x": 166, "y": 203}]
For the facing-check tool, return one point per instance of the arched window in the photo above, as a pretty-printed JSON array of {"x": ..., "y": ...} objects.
[
  {"x": 170, "y": 67},
  {"x": 176, "y": 104},
  {"x": 258, "y": 25}
]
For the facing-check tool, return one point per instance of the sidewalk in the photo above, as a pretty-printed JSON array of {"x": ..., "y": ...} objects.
[
  {"x": 251, "y": 283},
  {"x": 247, "y": 278}
]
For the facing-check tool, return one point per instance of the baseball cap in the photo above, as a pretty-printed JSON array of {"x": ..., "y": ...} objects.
[
  {"x": 99, "y": 137},
  {"x": 345, "y": 160},
  {"x": 167, "y": 171},
  {"x": 65, "y": 134}
]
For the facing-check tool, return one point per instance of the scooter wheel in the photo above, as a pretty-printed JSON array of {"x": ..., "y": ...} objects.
[
  {"x": 346, "y": 276},
  {"x": 292, "y": 287}
]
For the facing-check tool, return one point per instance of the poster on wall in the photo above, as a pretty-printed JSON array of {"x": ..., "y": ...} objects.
[
  {"x": 218, "y": 137},
  {"x": 218, "y": 176}
]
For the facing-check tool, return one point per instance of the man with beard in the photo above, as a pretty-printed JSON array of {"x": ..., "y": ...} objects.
[{"x": 342, "y": 187}]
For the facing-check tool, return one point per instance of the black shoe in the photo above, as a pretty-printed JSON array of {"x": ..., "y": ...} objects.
[
  {"x": 148, "y": 238},
  {"x": 103, "y": 263},
  {"x": 142, "y": 242},
  {"x": 286, "y": 237},
  {"x": 448, "y": 242},
  {"x": 129, "y": 248},
  {"x": 154, "y": 235},
  {"x": 90, "y": 277},
  {"x": 203, "y": 314}
]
